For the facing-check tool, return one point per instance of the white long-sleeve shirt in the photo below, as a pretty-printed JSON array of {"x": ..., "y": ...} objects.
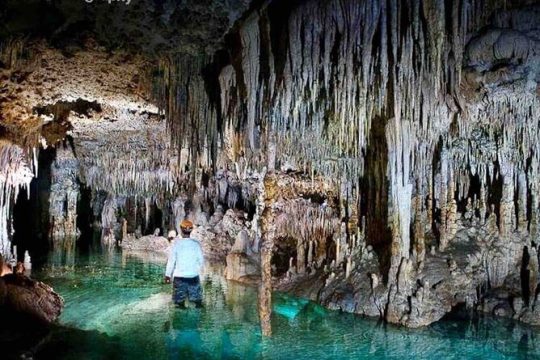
[{"x": 185, "y": 260}]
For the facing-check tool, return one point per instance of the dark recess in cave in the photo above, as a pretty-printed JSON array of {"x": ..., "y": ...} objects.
[
  {"x": 473, "y": 193},
  {"x": 31, "y": 214},
  {"x": 284, "y": 249},
  {"x": 460, "y": 312},
  {"x": 85, "y": 216},
  {"x": 156, "y": 219},
  {"x": 525, "y": 275},
  {"x": 374, "y": 205},
  {"x": 494, "y": 190}
]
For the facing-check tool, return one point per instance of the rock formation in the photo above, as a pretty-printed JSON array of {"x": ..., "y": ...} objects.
[{"x": 22, "y": 298}]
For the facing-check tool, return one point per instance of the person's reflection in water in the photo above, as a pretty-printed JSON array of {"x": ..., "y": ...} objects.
[{"x": 184, "y": 338}]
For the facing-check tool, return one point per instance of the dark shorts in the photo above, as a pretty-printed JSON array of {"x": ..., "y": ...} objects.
[{"x": 187, "y": 288}]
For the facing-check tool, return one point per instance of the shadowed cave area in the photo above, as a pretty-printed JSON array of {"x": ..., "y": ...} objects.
[{"x": 360, "y": 176}]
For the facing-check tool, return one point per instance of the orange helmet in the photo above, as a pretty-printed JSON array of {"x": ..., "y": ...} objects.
[{"x": 186, "y": 225}]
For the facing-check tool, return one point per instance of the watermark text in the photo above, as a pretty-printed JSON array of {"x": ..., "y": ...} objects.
[{"x": 127, "y": 2}]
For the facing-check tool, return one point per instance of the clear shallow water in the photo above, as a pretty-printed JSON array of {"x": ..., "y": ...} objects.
[{"x": 118, "y": 308}]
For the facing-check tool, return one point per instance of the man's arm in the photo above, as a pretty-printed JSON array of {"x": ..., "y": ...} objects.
[{"x": 171, "y": 263}]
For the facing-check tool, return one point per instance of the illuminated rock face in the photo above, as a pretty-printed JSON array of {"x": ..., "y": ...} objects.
[{"x": 401, "y": 138}]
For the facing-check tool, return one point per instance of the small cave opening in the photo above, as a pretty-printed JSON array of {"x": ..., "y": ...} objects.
[
  {"x": 31, "y": 223},
  {"x": 330, "y": 251},
  {"x": 316, "y": 198},
  {"x": 473, "y": 192},
  {"x": 155, "y": 220},
  {"x": 284, "y": 249}
]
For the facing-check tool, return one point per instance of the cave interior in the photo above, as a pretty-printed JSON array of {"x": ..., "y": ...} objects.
[{"x": 379, "y": 158}]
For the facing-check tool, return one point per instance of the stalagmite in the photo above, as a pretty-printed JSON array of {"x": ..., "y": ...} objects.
[
  {"x": 310, "y": 254},
  {"x": 348, "y": 267},
  {"x": 300, "y": 258},
  {"x": 374, "y": 281},
  {"x": 27, "y": 261},
  {"x": 291, "y": 270},
  {"x": 522, "y": 201},
  {"x": 398, "y": 138},
  {"x": 108, "y": 221}
]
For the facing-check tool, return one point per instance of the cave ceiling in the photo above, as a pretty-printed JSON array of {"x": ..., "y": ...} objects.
[{"x": 147, "y": 26}]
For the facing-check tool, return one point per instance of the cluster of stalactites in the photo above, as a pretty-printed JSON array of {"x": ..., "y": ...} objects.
[
  {"x": 312, "y": 226},
  {"x": 500, "y": 146},
  {"x": 343, "y": 66},
  {"x": 125, "y": 170},
  {"x": 347, "y": 64},
  {"x": 15, "y": 172},
  {"x": 180, "y": 90}
]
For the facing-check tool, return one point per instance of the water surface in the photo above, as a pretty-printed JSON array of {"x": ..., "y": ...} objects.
[{"x": 118, "y": 308}]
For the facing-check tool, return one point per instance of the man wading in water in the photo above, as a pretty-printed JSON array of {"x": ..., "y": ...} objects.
[{"x": 184, "y": 264}]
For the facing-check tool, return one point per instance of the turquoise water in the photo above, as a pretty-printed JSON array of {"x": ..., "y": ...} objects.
[{"x": 118, "y": 308}]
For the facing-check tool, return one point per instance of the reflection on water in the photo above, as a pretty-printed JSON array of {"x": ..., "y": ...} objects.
[{"x": 121, "y": 309}]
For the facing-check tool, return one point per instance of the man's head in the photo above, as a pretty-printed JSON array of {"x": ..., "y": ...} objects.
[{"x": 186, "y": 227}]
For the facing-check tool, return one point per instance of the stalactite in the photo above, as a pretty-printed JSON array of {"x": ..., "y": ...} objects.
[
  {"x": 250, "y": 38},
  {"x": 191, "y": 117},
  {"x": 128, "y": 167},
  {"x": 16, "y": 171}
]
